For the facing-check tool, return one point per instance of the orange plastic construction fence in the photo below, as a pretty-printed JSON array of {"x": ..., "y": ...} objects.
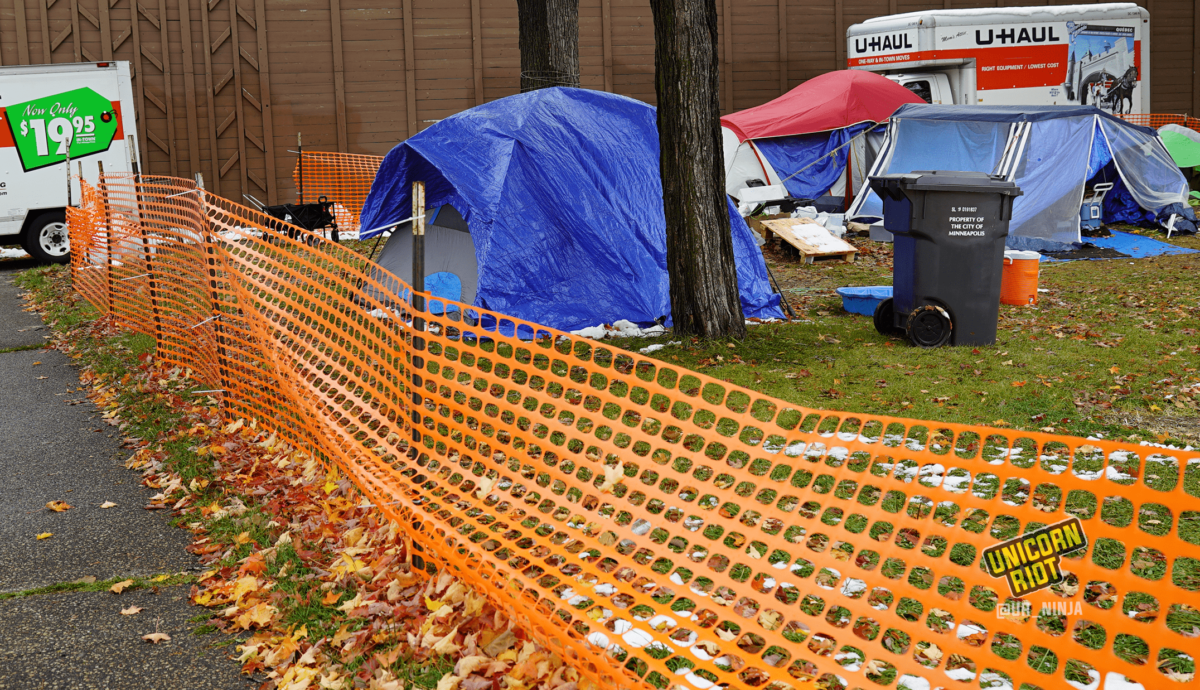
[
  {"x": 1157, "y": 120},
  {"x": 343, "y": 178},
  {"x": 650, "y": 524}
]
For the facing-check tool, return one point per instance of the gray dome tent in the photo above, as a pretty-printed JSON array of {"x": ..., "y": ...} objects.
[{"x": 451, "y": 270}]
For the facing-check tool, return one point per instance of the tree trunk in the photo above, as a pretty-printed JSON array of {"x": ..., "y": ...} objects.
[
  {"x": 549, "y": 42},
  {"x": 704, "y": 289}
]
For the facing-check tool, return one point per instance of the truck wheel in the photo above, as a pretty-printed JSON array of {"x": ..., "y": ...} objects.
[
  {"x": 929, "y": 326},
  {"x": 46, "y": 238},
  {"x": 885, "y": 319}
]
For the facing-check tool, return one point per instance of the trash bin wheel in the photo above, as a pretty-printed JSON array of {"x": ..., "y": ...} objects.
[
  {"x": 885, "y": 320},
  {"x": 929, "y": 326}
]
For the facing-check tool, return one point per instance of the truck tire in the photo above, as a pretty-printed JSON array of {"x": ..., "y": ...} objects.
[{"x": 46, "y": 239}]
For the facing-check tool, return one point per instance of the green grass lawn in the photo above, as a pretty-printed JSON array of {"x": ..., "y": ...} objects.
[{"x": 1110, "y": 349}]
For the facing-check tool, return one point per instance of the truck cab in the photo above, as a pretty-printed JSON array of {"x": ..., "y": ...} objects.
[{"x": 932, "y": 87}]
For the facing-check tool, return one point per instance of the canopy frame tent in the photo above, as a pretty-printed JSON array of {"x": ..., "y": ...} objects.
[
  {"x": 817, "y": 139},
  {"x": 1036, "y": 147}
]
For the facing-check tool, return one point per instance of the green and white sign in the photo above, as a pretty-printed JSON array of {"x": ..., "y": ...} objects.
[{"x": 81, "y": 121}]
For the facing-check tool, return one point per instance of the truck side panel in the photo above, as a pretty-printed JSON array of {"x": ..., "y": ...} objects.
[
  {"x": 1090, "y": 59},
  {"x": 50, "y": 114}
]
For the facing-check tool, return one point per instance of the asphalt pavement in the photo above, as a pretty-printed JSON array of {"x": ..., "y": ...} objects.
[{"x": 56, "y": 447}]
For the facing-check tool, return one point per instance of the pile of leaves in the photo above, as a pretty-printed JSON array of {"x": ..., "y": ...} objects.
[{"x": 319, "y": 588}]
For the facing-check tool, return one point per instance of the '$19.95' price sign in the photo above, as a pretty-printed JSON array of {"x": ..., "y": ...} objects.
[{"x": 80, "y": 121}]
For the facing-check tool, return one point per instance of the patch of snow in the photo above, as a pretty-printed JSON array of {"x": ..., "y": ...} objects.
[
  {"x": 13, "y": 253},
  {"x": 697, "y": 681},
  {"x": 994, "y": 681},
  {"x": 851, "y": 661},
  {"x": 1114, "y": 474},
  {"x": 621, "y": 626},
  {"x": 676, "y": 579},
  {"x": 908, "y": 682},
  {"x": 599, "y": 639},
  {"x": 621, "y": 328},
  {"x": 968, "y": 629},
  {"x": 956, "y": 483},
  {"x": 637, "y": 638},
  {"x": 657, "y": 346},
  {"x": 1116, "y": 681},
  {"x": 593, "y": 332},
  {"x": 852, "y": 587},
  {"x": 661, "y": 622},
  {"x": 606, "y": 589},
  {"x": 960, "y": 674},
  {"x": 795, "y": 449},
  {"x": 905, "y": 473},
  {"x": 1161, "y": 445},
  {"x": 931, "y": 474}
]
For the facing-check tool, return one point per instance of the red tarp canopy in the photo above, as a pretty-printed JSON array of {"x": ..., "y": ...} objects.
[{"x": 830, "y": 101}]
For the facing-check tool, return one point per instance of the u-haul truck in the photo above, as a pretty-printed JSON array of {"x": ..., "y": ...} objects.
[
  {"x": 49, "y": 115},
  {"x": 1054, "y": 55}
]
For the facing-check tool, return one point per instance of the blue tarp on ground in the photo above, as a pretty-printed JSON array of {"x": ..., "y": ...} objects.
[
  {"x": 1136, "y": 246},
  {"x": 562, "y": 193}
]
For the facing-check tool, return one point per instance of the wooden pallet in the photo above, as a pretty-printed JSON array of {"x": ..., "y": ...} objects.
[{"x": 809, "y": 238}]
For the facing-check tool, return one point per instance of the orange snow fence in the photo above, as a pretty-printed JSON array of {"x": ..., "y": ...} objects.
[
  {"x": 343, "y": 178},
  {"x": 649, "y": 524},
  {"x": 1157, "y": 120}
]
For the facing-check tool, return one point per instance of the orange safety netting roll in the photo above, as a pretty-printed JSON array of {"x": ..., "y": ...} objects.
[
  {"x": 343, "y": 178},
  {"x": 1157, "y": 120},
  {"x": 648, "y": 523}
]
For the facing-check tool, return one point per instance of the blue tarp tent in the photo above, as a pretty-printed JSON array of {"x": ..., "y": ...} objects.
[
  {"x": 1052, "y": 152},
  {"x": 560, "y": 189}
]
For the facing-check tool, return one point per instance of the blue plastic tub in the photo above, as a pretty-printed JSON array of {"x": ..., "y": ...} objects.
[{"x": 863, "y": 300}]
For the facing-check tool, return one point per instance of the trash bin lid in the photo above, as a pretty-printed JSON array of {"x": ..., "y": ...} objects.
[{"x": 953, "y": 181}]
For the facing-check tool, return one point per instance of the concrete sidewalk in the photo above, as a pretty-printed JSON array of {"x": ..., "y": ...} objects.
[{"x": 58, "y": 448}]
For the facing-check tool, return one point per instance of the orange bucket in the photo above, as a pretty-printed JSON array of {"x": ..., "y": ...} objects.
[{"x": 1019, "y": 281}]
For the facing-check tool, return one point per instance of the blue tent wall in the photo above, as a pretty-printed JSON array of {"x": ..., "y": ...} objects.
[
  {"x": 1064, "y": 150},
  {"x": 810, "y": 153},
  {"x": 561, "y": 190}
]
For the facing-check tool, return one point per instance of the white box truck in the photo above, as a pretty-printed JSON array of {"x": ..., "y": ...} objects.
[
  {"x": 1053, "y": 55},
  {"x": 52, "y": 115}
]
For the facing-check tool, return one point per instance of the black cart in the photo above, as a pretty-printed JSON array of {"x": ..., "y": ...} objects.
[
  {"x": 949, "y": 229},
  {"x": 312, "y": 216}
]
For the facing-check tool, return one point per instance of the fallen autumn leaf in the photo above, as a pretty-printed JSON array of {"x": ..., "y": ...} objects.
[
  {"x": 120, "y": 586},
  {"x": 155, "y": 638},
  {"x": 58, "y": 506},
  {"x": 131, "y": 611},
  {"x": 108, "y": 504}
]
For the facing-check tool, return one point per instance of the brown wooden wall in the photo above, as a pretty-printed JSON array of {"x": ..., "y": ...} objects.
[{"x": 223, "y": 86}]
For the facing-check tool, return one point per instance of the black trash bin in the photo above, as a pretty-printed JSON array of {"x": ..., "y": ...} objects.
[{"x": 949, "y": 229}]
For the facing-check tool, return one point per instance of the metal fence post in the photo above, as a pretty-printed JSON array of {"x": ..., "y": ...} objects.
[
  {"x": 108, "y": 233},
  {"x": 148, "y": 255},
  {"x": 218, "y": 313},
  {"x": 418, "y": 303}
]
